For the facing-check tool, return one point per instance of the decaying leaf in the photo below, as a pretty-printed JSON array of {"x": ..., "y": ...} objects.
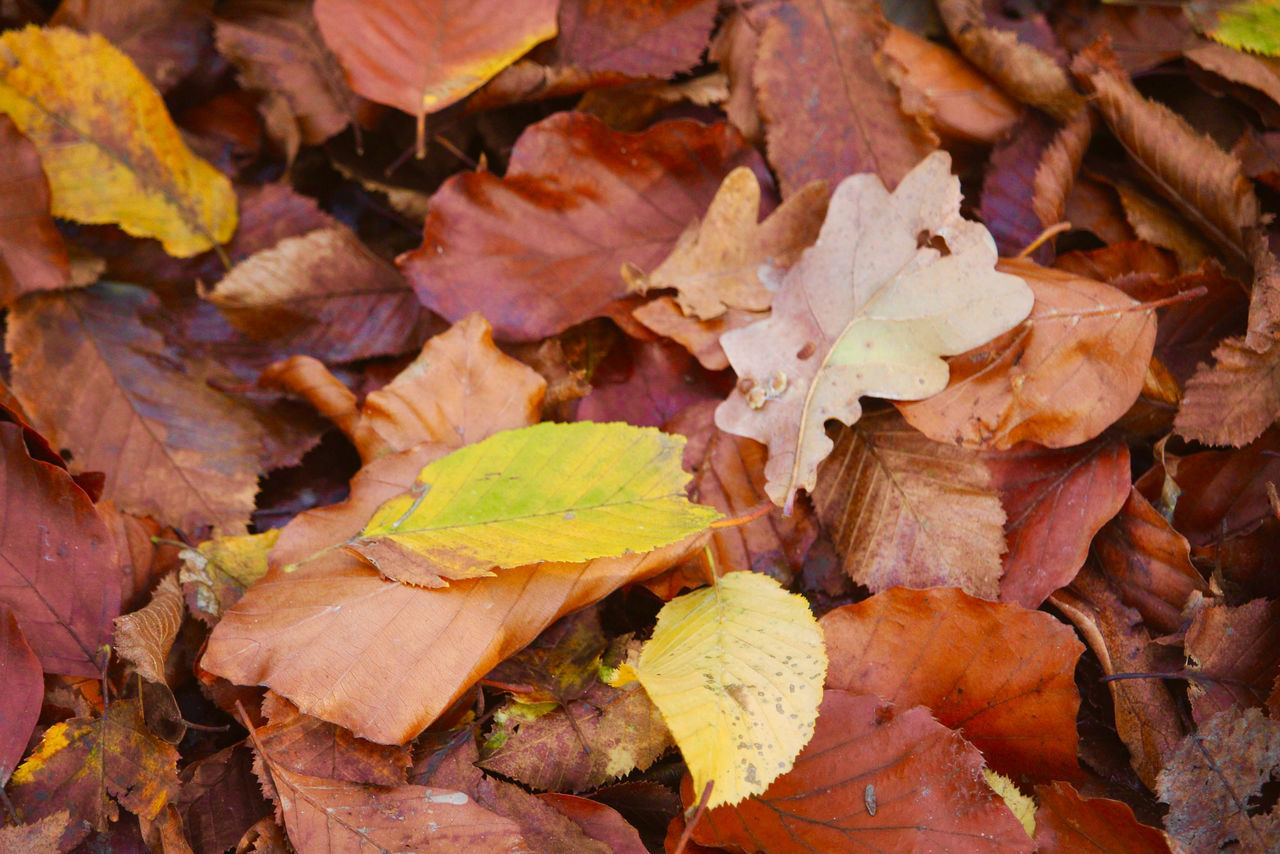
[
  {"x": 894, "y": 282},
  {"x": 222, "y": 568},
  {"x": 736, "y": 670},
  {"x": 551, "y": 492},
  {"x": 1233, "y": 401},
  {"x": 107, "y": 143},
  {"x": 145, "y": 637}
]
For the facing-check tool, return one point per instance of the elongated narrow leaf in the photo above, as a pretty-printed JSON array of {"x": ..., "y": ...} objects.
[{"x": 550, "y": 492}]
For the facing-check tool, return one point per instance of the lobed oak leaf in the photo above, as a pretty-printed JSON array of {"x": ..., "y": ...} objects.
[
  {"x": 23, "y": 691},
  {"x": 111, "y": 125},
  {"x": 893, "y": 283},
  {"x": 32, "y": 254}
]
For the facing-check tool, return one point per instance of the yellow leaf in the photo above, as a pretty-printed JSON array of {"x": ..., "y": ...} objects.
[
  {"x": 1022, "y": 806},
  {"x": 107, "y": 143},
  {"x": 550, "y": 492},
  {"x": 223, "y": 568},
  {"x": 737, "y": 672}
]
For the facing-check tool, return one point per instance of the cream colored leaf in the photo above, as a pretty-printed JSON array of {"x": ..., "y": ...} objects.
[
  {"x": 737, "y": 671},
  {"x": 895, "y": 282}
]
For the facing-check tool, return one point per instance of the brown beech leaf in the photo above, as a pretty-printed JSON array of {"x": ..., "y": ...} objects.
[
  {"x": 220, "y": 799},
  {"x": 1214, "y": 777},
  {"x": 1202, "y": 181},
  {"x": 1067, "y": 822},
  {"x": 308, "y": 745},
  {"x": 23, "y": 691},
  {"x": 578, "y": 201},
  {"x": 1236, "y": 399},
  {"x": 658, "y": 381},
  {"x": 145, "y": 637},
  {"x": 657, "y": 38},
  {"x": 405, "y": 653},
  {"x": 1224, "y": 493},
  {"x": 1023, "y": 70},
  {"x": 58, "y": 572},
  {"x": 873, "y": 776},
  {"x": 32, "y": 254},
  {"x": 1149, "y": 564},
  {"x": 716, "y": 264},
  {"x": 420, "y": 56},
  {"x": 827, "y": 110},
  {"x": 1237, "y": 649},
  {"x": 598, "y": 821},
  {"x": 1002, "y": 675},
  {"x": 1061, "y": 378},
  {"x": 278, "y": 50},
  {"x": 1055, "y": 500},
  {"x": 870, "y": 308},
  {"x": 904, "y": 510},
  {"x": 612, "y": 732},
  {"x": 324, "y": 294},
  {"x": 1059, "y": 164},
  {"x": 734, "y": 48},
  {"x": 171, "y": 445}
]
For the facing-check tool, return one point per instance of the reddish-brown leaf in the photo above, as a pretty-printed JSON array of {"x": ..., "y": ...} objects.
[
  {"x": 1002, "y": 675},
  {"x": 599, "y": 822},
  {"x": 700, "y": 337},
  {"x": 23, "y": 690},
  {"x": 647, "y": 383},
  {"x": 1224, "y": 493},
  {"x": 58, "y": 572},
  {"x": 32, "y": 254},
  {"x": 1055, "y": 501},
  {"x": 1237, "y": 650},
  {"x": 828, "y": 111},
  {"x": 166, "y": 39},
  {"x": 1235, "y": 400},
  {"x": 316, "y": 748},
  {"x": 220, "y": 799},
  {"x": 38, "y": 837},
  {"x": 1060, "y": 378},
  {"x": 642, "y": 38},
  {"x": 873, "y": 777},
  {"x": 1067, "y": 822},
  {"x": 578, "y": 201},
  {"x": 1008, "y": 186}
]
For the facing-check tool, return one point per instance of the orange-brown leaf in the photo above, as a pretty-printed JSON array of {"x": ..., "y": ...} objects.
[
  {"x": 1233, "y": 401},
  {"x": 145, "y": 637},
  {"x": 1237, "y": 649},
  {"x": 1065, "y": 821},
  {"x": 307, "y": 745}
]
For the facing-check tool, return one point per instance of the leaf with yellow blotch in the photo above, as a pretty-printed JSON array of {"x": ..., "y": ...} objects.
[
  {"x": 1243, "y": 24},
  {"x": 550, "y": 492},
  {"x": 716, "y": 263},
  {"x": 107, "y": 143},
  {"x": 223, "y": 568},
  {"x": 145, "y": 637},
  {"x": 736, "y": 670},
  {"x": 894, "y": 282}
]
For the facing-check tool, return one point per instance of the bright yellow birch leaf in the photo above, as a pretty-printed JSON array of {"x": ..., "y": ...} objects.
[
  {"x": 737, "y": 671},
  {"x": 550, "y": 492},
  {"x": 107, "y": 143}
]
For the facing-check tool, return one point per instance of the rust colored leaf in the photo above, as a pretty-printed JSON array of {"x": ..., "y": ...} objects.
[
  {"x": 406, "y": 652},
  {"x": 221, "y": 569},
  {"x": 1215, "y": 775},
  {"x": 1237, "y": 650},
  {"x": 1002, "y": 675},
  {"x": 23, "y": 691},
  {"x": 167, "y": 39},
  {"x": 1055, "y": 500},
  {"x": 904, "y": 510},
  {"x": 324, "y": 294},
  {"x": 827, "y": 110},
  {"x": 1224, "y": 493},
  {"x": 32, "y": 254},
  {"x": 59, "y": 562},
  {"x": 700, "y": 337},
  {"x": 1065, "y": 821},
  {"x": 1202, "y": 181},
  {"x": 654, "y": 381},
  {"x": 578, "y": 201},
  {"x": 145, "y": 637},
  {"x": 1058, "y": 167},
  {"x": 612, "y": 732},
  {"x": 310, "y": 746},
  {"x": 220, "y": 799},
  {"x": 1060, "y": 378},
  {"x": 278, "y": 50},
  {"x": 1023, "y": 70},
  {"x": 421, "y": 56},
  {"x": 172, "y": 446},
  {"x": 1238, "y": 67},
  {"x": 642, "y": 38},
  {"x": 1142, "y": 37},
  {"x": 1235, "y": 400},
  {"x": 598, "y": 821},
  {"x": 1149, "y": 564},
  {"x": 924, "y": 780}
]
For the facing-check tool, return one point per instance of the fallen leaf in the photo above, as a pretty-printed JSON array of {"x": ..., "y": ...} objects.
[
  {"x": 1058, "y": 167},
  {"x": 577, "y": 202},
  {"x": 32, "y": 254},
  {"x": 24, "y": 689},
  {"x": 651, "y": 39},
  {"x": 1065, "y": 821},
  {"x": 1244, "y": 24},
  {"x": 1235, "y": 650},
  {"x": 1233, "y": 401},
  {"x": 550, "y": 492},
  {"x": 658, "y": 381},
  {"x": 115, "y": 128},
  {"x": 736, "y": 670},
  {"x": 168, "y": 39},
  {"x": 1223, "y": 494},
  {"x": 59, "y": 563},
  {"x": 1061, "y": 378},
  {"x": 307, "y": 745},
  {"x": 223, "y": 568},
  {"x": 1002, "y": 675},
  {"x": 598, "y": 821},
  {"x": 828, "y": 112},
  {"x": 220, "y": 799},
  {"x": 921, "y": 780},
  {"x": 700, "y": 337},
  {"x": 1007, "y": 183},
  {"x": 1214, "y": 778},
  {"x": 903, "y": 510},
  {"x": 848, "y": 323},
  {"x": 144, "y": 638}
]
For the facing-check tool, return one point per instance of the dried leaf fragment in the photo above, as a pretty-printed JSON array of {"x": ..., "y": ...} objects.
[{"x": 145, "y": 637}]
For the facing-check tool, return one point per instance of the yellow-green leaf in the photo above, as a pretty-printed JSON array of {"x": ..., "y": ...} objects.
[
  {"x": 1252, "y": 25},
  {"x": 223, "y": 568},
  {"x": 107, "y": 143},
  {"x": 737, "y": 672},
  {"x": 550, "y": 492}
]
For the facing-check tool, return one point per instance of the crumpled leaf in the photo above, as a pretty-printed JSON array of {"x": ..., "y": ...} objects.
[
  {"x": 145, "y": 637},
  {"x": 223, "y": 568},
  {"x": 32, "y": 254},
  {"x": 1214, "y": 776},
  {"x": 107, "y": 143},
  {"x": 550, "y": 492},
  {"x": 904, "y": 510},
  {"x": 22, "y": 695},
  {"x": 736, "y": 670},
  {"x": 869, "y": 309},
  {"x": 716, "y": 263}
]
